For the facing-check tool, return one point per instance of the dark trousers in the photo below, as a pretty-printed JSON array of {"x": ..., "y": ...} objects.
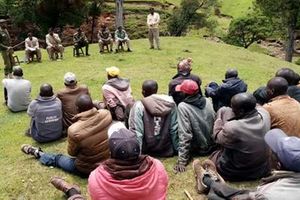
[
  {"x": 81, "y": 44},
  {"x": 221, "y": 191}
]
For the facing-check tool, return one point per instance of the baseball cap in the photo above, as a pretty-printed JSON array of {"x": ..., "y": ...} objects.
[
  {"x": 123, "y": 145},
  {"x": 286, "y": 148},
  {"x": 113, "y": 71},
  {"x": 184, "y": 66},
  {"x": 188, "y": 87},
  {"x": 70, "y": 78}
]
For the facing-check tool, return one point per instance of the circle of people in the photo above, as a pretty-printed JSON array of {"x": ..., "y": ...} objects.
[{"x": 114, "y": 142}]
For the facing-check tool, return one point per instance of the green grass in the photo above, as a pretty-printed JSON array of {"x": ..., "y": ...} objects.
[
  {"x": 235, "y": 8},
  {"x": 23, "y": 177}
]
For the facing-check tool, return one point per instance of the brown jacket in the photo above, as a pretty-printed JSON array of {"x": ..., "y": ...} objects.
[
  {"x": 285, "y": 114},
  {"x": 88, "y": 139},
  {"x": 68, "y": 97}
]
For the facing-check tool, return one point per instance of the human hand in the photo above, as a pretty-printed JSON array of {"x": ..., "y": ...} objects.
[{"x": 179, "y": 168}]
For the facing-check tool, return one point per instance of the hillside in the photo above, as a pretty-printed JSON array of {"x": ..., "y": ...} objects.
[{"x": 25, "y": 178}]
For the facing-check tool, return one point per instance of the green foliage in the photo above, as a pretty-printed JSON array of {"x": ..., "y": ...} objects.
[
  {"x": 246, "y": 30},
  {"x": 287, "y": 12},
  {"x": 297, "y": 61},
  {"x": 187, "y": 14},
  {"x": 237, "y": 8}
]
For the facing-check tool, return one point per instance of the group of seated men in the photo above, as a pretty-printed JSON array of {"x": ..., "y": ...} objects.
[
  {"x": 238, "y": 130},
  {"x": 55, "y": 48}
]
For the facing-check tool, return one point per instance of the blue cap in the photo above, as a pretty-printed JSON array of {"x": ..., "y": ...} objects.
[{"x": 286, "y": 148}]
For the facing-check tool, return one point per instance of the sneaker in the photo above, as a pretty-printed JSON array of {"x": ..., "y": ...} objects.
[
  {"x": 63, "y": 186},
  {"x": 31, "y": 150},
  {"x": 199, "y": 174},
  {"x": 211, "y": 170}
]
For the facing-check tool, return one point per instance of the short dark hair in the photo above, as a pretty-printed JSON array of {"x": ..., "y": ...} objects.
[
  {"x": 46, "y": 90},
  {"x": 17, "y": 71}
]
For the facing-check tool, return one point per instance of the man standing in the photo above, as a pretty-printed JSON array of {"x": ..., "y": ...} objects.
[
  {"x": 105, "y": 38},
  {"x": 54, "y": 46},
  {"x": 46, "y": 116},
  {"x": 87, "y": 141},
  {"x": 153, "y": 23},
  {"x": 120, "y": 38},
  {"x": 32, "y": 47},
  {"x": 17, "y": 91},
  {"x": 80, "y": 40},
  {"x": 240, "y": 132},
  {"x": 154, "y": 122},
  {"x": 116, "y": 93},
  {"x": 195, "y": 124},
  {"x": 68, "y": 97},
  {"x": 6, "y": 49},
  {"x": 284, "y": 110}
]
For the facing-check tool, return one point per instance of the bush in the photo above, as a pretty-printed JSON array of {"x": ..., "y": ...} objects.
[{"x": 244, "y": 31}]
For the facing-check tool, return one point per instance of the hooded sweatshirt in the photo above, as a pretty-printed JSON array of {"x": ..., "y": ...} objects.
[
  {"x": 152, "y": 185},
  {"x": 154, "y": 121},
  {"x": 117, "y": 96},
  {"x": 46, "y": 123}
]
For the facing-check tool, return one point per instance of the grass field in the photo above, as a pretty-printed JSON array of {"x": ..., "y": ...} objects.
[
  {"x": 235, "y": 8},
  {"x": 24, "y": 178}
]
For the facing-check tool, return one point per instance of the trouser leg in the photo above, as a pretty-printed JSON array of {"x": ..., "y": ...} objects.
[
  {"x": 66, "y": 163},
  {"x": 61, "y": 50},
  {"x": 128, "y": 44},
  {"x": 111, "y": 44},
  {"x": 50, "y": 51},
  {"x": 76, "y": 46},
  {"x": 150, "y": 36},
  {"x": 156, "y": 37},
  {"x": 8, "y": 62},
  {"x": 221, "y": 190},
  {"x": 27, "y": 55},
  {"x": 39, "y": 54},
  {"x": 86, "y": 48}
]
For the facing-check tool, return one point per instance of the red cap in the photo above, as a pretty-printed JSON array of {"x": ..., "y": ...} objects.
[{"x": 188, "y": 87}]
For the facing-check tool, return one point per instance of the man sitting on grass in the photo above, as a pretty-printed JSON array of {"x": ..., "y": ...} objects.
[
  {"x": 195, "y": 124},
  {"x": 184, "y": 68},
  {"x": 240, "y": 132},
  {"x": 68, "y": 97},
  {"x": 116, "y": 94},
  {"x": 281, "y": 185},
  {"x": 154, "y": 121},
  {"x": 46, "y": 116},
  {"x": 17, "y": 91},
  {"x": 87, "y": 141},
  {"x": 284, "y": 110},
  {"x": 126, "y": 168},
  {"x": 221, "y": 94}
]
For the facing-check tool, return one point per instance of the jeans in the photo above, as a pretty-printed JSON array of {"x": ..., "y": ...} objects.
[{"x": 66, "y": 163}]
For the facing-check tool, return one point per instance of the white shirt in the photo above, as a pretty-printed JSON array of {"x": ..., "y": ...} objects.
[
  {"x": 18, "y": 93},
  {"x": 52, "y": 40},
  {"x": 32, "y": 45},
  {"x": 153, "y": 20}
]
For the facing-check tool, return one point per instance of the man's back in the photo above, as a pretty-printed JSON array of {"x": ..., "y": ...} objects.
[
  {"x": 245, "y": 153},
  {"x": 197, "y": 122},
  {"x": 285, "y": 112},
  {"x": 46, "y": 116},
  {"x": 18, "y": 92},
  {"x": 88, "y": 139},
  {"x": 154, "y": 121},
  {"x": 68, "y": 97}
]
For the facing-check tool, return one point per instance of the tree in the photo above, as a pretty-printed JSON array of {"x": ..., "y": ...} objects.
[
  {"x": 288, "y": 13},
  {"x": 246, "y": 30},
  {"x": 187, "y": 13},
  {"x": 94, "y": 12}
]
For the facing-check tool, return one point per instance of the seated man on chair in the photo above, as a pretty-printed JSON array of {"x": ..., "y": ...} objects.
[
  {"x": 54, "y": 45},
  {"x": 80, "y": 40},
  {"x": 32, "y": 48},
  {"x": 105, "y": 38},
  {"x": 121, "y": 37}
]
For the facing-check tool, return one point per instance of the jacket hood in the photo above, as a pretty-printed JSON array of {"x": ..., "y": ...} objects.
[
  {"x": 39, "y": 98},
  {"x": 119, "y": 83},
  {"x": 158, "y": 105},
  {"x": 196, "y": 100}
]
